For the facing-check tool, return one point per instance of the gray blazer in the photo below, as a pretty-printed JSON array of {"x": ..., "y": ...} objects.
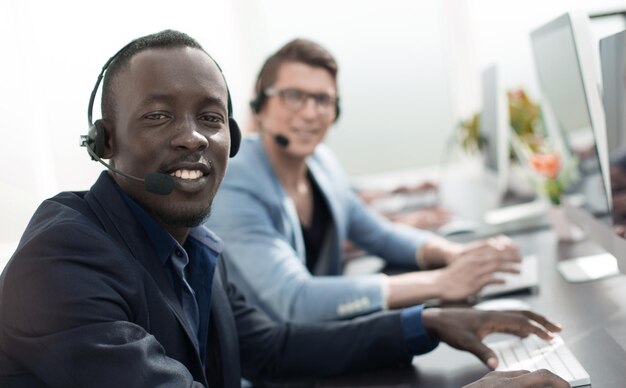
[{"x": 263, "y": 238}]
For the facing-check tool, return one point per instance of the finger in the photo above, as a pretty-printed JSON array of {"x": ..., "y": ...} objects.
[
  {"x": 509, "y": 374},
  {"x": 506, "y": 240},
  {"x": 508, "y": 268},
  {"x": 539, "y": 378},
  {"x": 545, "y": 322},
  {"x": 491, "y": 268},
  {"x": 506, "y": 247},
  {"x": 486, "y": 280},
  {"x": 509, "y": 254},
  {"x": 486, "y": 355},
  {"x": 494, "y": 253},
  {"x": 521, "y": 326}
]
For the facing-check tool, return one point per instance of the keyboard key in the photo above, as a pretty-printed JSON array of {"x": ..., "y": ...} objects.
[{"x": 533, "y": 353}]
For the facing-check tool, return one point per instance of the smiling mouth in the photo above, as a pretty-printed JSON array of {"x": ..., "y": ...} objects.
[
  {"x": 306, "y": 131},
  {"x": 192, "y": 172},
  {"x": 187, "y": 174}
]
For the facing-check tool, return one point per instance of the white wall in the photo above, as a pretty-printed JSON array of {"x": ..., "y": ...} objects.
[
  {"x": 408, "y": 70},
  {"x": 52, "y": 53},
  {"x": 393, "y": 79},
  {"x": 500, "y": 32}
]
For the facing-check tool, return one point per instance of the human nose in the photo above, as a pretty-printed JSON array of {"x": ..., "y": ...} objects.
[
  {"x": 188, "y": 136},
  {"x": 310, "y": 108}
]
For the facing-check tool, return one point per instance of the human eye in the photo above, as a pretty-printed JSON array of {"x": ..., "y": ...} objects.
[
  {"x": 323, "y": 99},
  {"x": 156, "y": 116},
  {"x": 293, "y": 95},
  {"x": 212, "y": 118}
]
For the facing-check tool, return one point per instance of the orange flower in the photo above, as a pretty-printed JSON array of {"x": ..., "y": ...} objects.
[{"x": 548, "y": 165}]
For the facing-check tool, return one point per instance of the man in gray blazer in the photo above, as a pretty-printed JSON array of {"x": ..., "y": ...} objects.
[
  {"x": 286, "y": 207},
  {"x": 118, "y": 286}
]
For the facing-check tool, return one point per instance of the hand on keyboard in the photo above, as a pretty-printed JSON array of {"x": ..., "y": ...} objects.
[
  {"x": 465, "y": 329},
  {"x": 470, "y": 267},
  {"x": 520, "y": 379},
  {"x": 532, "y": 353}
]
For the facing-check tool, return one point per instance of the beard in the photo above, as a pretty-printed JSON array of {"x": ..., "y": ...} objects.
[{"x": 183, "y": 217}]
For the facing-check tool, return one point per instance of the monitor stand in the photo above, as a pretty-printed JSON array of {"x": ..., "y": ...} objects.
[{"x": 583, "y": 269}]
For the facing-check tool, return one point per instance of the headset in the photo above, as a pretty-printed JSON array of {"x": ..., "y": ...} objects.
[
  {"x": 156, "y": 183},
  {"x": 95, "y": 139}
]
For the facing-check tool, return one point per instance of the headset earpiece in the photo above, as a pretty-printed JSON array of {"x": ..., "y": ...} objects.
[
  {"x": 235, "y": 136},
  {"x": 258, "y": 102},
  {"x": 97, "y": 139},
  {"x": 254, "y": 105}
]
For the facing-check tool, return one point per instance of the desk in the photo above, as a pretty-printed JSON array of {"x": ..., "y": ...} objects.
[{"x": 593, "y": 315}]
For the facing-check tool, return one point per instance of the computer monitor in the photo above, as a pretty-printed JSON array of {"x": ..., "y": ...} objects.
[
  {"x": 498, "y": 135},
  {"x": 569, "y": 82},
  {"x": 494, "y": 128},
  {"x": 613, "y": 63},
  {"x": 565, "y": 61}
]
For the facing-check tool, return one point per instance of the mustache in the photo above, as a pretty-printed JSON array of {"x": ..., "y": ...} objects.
[{"x": 196, "y": 157}]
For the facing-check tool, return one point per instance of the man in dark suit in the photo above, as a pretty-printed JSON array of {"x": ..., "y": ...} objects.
[{"x": 118, "y": 286}]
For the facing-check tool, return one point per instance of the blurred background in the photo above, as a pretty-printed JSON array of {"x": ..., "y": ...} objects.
[{"x": 409, "y": 72}]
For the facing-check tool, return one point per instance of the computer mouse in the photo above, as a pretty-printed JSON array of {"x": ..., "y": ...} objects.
[
  {"x": 457, "y": 227},
  {"x": 502, "y": 304}
]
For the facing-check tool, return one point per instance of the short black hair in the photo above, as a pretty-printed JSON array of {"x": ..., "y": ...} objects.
[{"x": 163, "y": 39}]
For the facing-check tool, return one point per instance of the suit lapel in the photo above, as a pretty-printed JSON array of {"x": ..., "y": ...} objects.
[
  {"x": 120, "y": 224},
  {"x": 290, "y": 219},
  {"x": 224, "y": 346}
]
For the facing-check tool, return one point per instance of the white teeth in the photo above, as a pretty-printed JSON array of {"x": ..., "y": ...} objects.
[{"x": 187, "y": 174}]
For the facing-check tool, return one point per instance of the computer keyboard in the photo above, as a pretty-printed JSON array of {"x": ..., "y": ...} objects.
[
  {"x": 526, "y": 279},
  {"x": 401, "y": 202},
  {"x": 533, "y": 353},
  {"x": 504, "y": 215}
]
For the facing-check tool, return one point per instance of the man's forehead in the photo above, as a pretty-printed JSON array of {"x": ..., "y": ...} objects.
[
  {"x": 305, "y": 76},
  {"x": 174, "y": 63}
]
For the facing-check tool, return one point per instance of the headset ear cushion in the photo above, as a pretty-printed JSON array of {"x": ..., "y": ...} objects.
[
  {"x": 97, "y": 138},
  {"x": 258, "y": 102},
  {"x": 254, "y": 105},
  {"x": 337, "y": 111},
  {"x": 235, "y": 136}
]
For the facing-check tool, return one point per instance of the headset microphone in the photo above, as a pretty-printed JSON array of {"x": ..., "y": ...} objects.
[
  {"x": 155, "y": 182},
  {"x": 281, "y": 140}
]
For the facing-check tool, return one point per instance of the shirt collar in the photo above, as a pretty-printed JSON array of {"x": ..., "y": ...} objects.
[{"x": 161, "y": 240}]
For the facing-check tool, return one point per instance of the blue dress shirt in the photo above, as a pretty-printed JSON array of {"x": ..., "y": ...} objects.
[
  {"x": 418, "y": 341},
  {"x": 201, "y": 247}
]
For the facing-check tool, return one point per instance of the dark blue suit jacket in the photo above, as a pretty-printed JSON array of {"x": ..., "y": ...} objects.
[{"x": 84, "y": 302}]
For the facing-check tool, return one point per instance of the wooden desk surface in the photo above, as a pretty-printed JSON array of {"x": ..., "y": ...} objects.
[{"x": 593, "y": 315}]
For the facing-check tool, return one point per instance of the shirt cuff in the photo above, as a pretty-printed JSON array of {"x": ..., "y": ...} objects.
[
  {"x": 420, "y": 259},
  {"x": 384, "y": 292},
  {"x": 418, "y": 341}
]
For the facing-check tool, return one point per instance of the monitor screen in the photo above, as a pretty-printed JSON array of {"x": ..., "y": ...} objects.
[
  {"x": 489, "y": 118},
  {"x": 494, "y": 127},
  {"x": 564, "y": 72},
  {"x": 613, "y": 62}
]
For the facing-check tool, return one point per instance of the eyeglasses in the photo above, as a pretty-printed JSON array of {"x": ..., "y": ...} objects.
[{"x": 294, "y": 99}]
